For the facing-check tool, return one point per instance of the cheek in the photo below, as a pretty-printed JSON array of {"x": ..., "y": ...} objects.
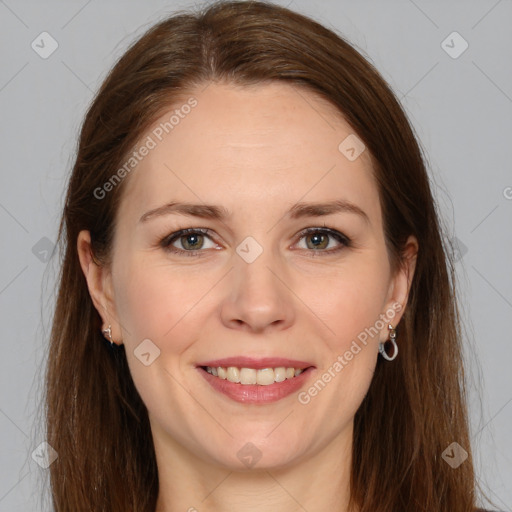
[
  {"x": 152, "y": 301},
  {"x": 351, "y": 308},
  {"x": 157, "y": 303},
  {"x": 142, "y": 305},
  {"x": 351, "y": 300}
]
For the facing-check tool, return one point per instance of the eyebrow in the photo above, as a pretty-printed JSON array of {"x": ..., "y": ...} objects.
[{"x": 297, "y": 211}]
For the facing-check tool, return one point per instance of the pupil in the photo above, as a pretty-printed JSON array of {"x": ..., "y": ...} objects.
[
  {"x": 192, "y": 237},
  {"x": 317, "y": 240}
]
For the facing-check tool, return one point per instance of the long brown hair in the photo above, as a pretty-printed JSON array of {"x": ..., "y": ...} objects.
[{"x": 415, "y": 406}]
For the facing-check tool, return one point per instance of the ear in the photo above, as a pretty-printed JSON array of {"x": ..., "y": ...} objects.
[
  {"x": 99, "y": 282},
  {"x": 400, "y": 286}
]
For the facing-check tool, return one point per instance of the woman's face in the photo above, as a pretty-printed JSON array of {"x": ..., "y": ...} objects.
[{"x": 254, "y": 284}]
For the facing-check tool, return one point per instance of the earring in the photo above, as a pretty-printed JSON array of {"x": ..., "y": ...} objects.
[
  {"x": 108, "y": 333},
  {"x": 392, "y": 338}
]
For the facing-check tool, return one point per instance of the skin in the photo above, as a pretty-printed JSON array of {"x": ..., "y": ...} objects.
[{"x": 256, "y": 151}]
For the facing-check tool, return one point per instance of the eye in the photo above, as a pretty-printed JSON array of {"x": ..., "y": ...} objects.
[
  {"x": 318, "y": 240},
  {"x": 191, "y": 241}
]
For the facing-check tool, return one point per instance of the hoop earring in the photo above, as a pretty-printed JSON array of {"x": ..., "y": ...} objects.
[
  {"x": 108, "y": 332},
  {"x": 392, "y": 338}
]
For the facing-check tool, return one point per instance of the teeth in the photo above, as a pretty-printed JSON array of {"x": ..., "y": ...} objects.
[
  {"x": 280, "y": 374},
  {"x": 263, "y": 377},
  {"x": 248, "y": 376},
  {"x": 233, "y": 374}
]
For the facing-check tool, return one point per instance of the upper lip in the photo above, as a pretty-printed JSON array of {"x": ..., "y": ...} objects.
[{"x": 250, "y": 362}]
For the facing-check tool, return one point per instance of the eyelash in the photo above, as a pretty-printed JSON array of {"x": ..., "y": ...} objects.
[{"x": 166, "y": 242}]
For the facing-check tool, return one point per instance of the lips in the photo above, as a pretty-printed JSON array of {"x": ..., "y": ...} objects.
[
  {"x": 257, "y": 394},
  {"x": 257, "y": 364}
]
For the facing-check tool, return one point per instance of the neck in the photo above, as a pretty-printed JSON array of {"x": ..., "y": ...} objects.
[{"x": 314, "y": 483}]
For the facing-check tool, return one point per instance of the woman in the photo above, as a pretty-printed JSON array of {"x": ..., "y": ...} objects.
[{"x": 256, "y": 310}]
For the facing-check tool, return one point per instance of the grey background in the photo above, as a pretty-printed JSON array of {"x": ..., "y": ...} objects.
[{"x": 460, "y": 108}]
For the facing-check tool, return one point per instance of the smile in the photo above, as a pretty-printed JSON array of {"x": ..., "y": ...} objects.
[
  {"x": 247, "y": 376},
  {"x": 256, "y": 386}
]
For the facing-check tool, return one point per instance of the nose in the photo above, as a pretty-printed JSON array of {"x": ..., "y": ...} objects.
[{"x": 259, "y": 299}]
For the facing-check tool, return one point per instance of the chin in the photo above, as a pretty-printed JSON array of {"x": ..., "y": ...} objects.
[{"x": 259, "y": 451}]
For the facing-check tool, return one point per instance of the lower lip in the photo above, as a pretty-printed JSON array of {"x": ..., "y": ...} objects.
[{"x": 257, "y": 394}]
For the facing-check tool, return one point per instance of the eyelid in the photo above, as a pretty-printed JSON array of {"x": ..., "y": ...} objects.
[
  {"x": 167, "y": 241},
  {"x": 329, "y": 231},
  {"x": 342, "y": 239}
]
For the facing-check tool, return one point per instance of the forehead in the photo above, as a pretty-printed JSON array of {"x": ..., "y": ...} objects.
[{"x": 249, "y": 148}]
